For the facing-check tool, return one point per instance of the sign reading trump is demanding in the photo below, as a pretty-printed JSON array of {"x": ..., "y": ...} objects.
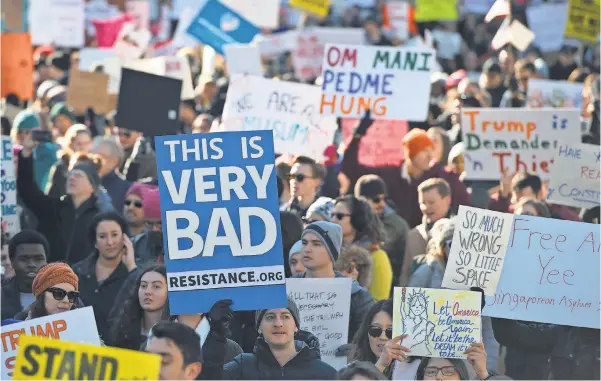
[{"x": 213, "y": 189}]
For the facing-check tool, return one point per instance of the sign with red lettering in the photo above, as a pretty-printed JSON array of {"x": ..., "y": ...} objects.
[
  {"x": 382, "y": 145},
  {"x": 76, "y": 326},
  {"x": 478, "y": 250},
  {"x": 550, "y": 275},
  {"x": 393, "y": 82},
  {"x": 515, "y": 140}
]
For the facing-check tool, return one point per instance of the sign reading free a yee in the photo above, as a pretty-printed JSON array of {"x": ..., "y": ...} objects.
[
  {"x": 393, "y": 82},
  {"x": 213, "y": 189}
]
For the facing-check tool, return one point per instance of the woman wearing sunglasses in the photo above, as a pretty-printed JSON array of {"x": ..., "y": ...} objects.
[
  {"x": 362, "y": 227},
  {"x": 374, "y": 343},
  {"x": 55, "y": 291}
]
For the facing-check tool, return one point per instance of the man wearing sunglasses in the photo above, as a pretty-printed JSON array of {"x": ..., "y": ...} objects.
[
  {"x": 373, "y": 189},
  {"x": 304, "y": 180},
  {"x": 133, "y": 210}
]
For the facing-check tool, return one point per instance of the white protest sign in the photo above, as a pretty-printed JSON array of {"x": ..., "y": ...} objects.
[
  {"x": 310, "y": 42},
  {"x": 548, "y": 22},
  {"x": 243, "y": 59},
  {"x": 78, "y": 326},
  {"x": 278, "y": 43},
  {"x": 59, "y": 22},
  {"x": 262, "y": 13},
  {"x": 448, "y": 44},
  {"x": 140, "y": 10},
  {"x": 88, "y": 57},
  {"x": 291, "y": 110},
  {"x": 558, "y": 94},
  {"x": 477, "y": 250},
  {"x": 575, "y": 178},
  {"x": 10, "y": 218},
  {"x": 439, "y": 323},
  {"x": 180, "y": 37},
  {"x": 515, "y": 140},
  {"x": 393, "y": 82},
  {"x": 398, "y": 18},
  {"x": 521, "y": 36},
  {"x": 132, "y": 41},
  {"x": 324, "y": 306}
]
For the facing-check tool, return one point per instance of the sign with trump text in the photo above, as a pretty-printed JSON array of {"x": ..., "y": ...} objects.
[{"x": 214, "y": 188}]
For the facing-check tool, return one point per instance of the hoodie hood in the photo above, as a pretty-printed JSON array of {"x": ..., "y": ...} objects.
[{"x": 304, "y": 353}]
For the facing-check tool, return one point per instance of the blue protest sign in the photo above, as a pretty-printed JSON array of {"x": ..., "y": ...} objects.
[
  {"x": 221, "y": 221},
  {"x": 550, "y": 274},
  {"x": 217, "y": 25}
]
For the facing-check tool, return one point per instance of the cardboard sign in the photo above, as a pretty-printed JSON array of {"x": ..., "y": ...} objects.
[
  {"x": 583, "y": 20},
  {"x": 382, "y": 145},
  {"x": 148, "y": 103},
  {"x": 289, "y": 109},
  {"x": 478, "y": 249},
  {"x": 515, "y": 140},
  {"x": 547, "y": 21},
  {"x": 88, "y": 57},
  {"x": 439, "y": 323},
  {"x": 213, "y": 188},
  {"x": 131, "y": 42},
  {"x": 262, "y": 13},
  {"x": 324, "y": 306},
  {"x": 8, "y": 195},
  {"x": 393, "y": 82},
  {"x": 13, "y": 16},
  {"x": 429, "y": 10},
  {"x": 550, "y": 275},
  {"x": 58, "y": 22},
  {"x": 88, "y": 90},
  {"x": 309, "y": 51},
  {"x": 558, "y": 94},
  {"x": 44, "y": 359},
  {"x": 575, "y": 176},
  {"x": 243, "y": 59},
  {"x": 318, "y": 7},
  {"x": 64, "y": 326},
  {"x": 17, "y": 65},
  {"x": 216, "y": 25},
  {"x": 172, "y": 67}
]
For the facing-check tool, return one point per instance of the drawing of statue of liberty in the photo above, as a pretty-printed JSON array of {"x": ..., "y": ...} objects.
[{"x": 414, "y": 314}]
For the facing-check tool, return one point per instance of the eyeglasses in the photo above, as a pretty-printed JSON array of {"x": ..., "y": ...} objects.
[
  {"x": 299, "y": 177},
  {"x": 136, "y": 203},
  {"x": 378, "y": 199},
  {"x": 340, "y": 216},
  {"x": 59, "y": 294},
  {"x": 375, "y": 331},
  {"x": 432, "y": 371}
]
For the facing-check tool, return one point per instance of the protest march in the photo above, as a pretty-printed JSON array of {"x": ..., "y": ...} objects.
[{"x": 300, "y": 190}]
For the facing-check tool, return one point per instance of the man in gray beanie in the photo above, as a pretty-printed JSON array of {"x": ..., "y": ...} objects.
[{"x": 292, "y": 307}]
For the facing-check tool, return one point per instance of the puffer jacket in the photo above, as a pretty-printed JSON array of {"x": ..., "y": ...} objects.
[{"x": 262, "y": 365}]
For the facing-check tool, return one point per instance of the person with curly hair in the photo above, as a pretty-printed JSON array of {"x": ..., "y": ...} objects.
[{"x": 362, "y": 227}]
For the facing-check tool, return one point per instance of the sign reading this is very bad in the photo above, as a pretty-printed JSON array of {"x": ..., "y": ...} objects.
[{"x": 219, "y": 207}]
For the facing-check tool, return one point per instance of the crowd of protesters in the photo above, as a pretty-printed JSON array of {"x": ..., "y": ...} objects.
[{"x": 91, "y": 230}]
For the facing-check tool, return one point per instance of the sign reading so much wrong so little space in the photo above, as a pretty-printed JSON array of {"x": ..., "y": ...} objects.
[
  {"x": 393, "y": 82},
  {"x": 213, "y": 188}
]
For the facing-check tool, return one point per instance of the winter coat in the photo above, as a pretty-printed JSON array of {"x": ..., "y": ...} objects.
[
  {"x": 417, "y": 243},
  {"x": 262, "y": 365},
  {"x": 403, "y": 189},
  {"x": 396, "y": 229},
  {"x": 117, "y": 187},
  {"x": 65, "y": 227},
  {"x": 361, "y": 302},
  {"x": 11, "y": 299},
  {"x": 44, "y": 159}
]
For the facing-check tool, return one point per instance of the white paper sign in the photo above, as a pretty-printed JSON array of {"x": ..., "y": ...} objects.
[
  {"x": 243, "y": 59},
  {"x": 398, "y": 13},
  {"x": 515, "y": 140},
  {"x": 291, "y": 110},
  {"x": 521, "y": 37},
  {"x": 10, "y": 217},
  {"x": 77, "y": 326},
  {"x": 278, "y": 43},
  {"x": 262, "y": 13},
  {"x": 140, "y": 10},
  {"x": 477, "y": 250},
  {"x": 59, "y": 22},
  {"x": 88, "y": 57},
  {"x": 575, "y": 179},
  {"x": 324, "y": 306},
  {"x": 548, "y": 22},
  {"x": 558, "y": 94},
  {"x": 131, "y": 42}
]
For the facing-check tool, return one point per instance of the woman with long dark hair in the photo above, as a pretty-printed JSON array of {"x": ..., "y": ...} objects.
[
  {"x": 362, "y": 227},
  {"x": 146, "y": 305}
]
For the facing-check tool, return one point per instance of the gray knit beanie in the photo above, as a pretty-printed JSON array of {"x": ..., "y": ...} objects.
[
  {"x": 292, "y": 307},
  {"x": 329, "y": 233}
]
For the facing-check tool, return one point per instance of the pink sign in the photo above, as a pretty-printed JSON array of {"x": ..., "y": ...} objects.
[
  {"x": 108, "y": 30},
  {"x": 383, "y": 143},
  {"x": 308, "y": 56}
]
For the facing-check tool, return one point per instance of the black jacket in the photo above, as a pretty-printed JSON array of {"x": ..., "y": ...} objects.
[
  {"x": 11, "y": 299},
  {"x": 361, "y": 301},
  {"x": 262, "y": 365},
  {"x": 65, "y": 228},
  {"x": 101, "y": 296}
]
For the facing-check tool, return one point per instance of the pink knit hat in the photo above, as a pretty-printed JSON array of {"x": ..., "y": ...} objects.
[
  {"x": 151, "y": 202},
  {"x": 136, "y": 189}
]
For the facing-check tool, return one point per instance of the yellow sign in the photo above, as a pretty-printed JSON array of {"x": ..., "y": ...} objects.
[
  {"x": 319, "y": 7},
  {"x": 583, "y": 20},
  {"x": 40, "y": 358},
  {"x": 436, "y": 10}
]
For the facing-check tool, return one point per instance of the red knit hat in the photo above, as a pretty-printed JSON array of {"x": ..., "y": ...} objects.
[
  {"x": 151, "y": 202},
  {"x": 416, "y": 141},
  {"x": 51, "y": 275}
]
